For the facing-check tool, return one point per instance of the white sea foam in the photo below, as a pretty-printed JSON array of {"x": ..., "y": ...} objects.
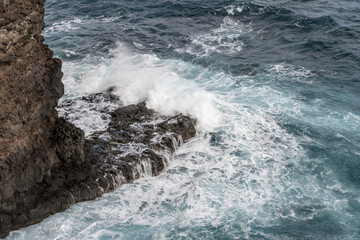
[
  {"x": 144, "y": 77},
  {"x": 64, "y": 26},
  {"x": 243, "y": 176},
  {"x": 90, "y": 117},
  {"x": 248, "y": 174},
  {"x": 74, "y": 24},
  {"x": 109, "y": 19},
  {"x": 138, "y": 45},
  {"x": 225, "y": 39},
  {"x": 291, "y": 72},
  {"x": 233, "y": 9}
]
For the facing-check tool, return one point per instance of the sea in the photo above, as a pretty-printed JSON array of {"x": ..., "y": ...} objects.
[{"x": 274, "y": 86}]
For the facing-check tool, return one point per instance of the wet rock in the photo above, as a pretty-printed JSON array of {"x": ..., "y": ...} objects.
[
  {"x": 70, "y": 152},
  {"x": 46, "y": 164},
  {"x": 138, "y": 142}
]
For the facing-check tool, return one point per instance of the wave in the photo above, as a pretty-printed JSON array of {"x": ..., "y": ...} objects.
[
  {"x": 248, "y": 177},
  {"x": 144, "y": 77},
  {"x": 249, "y": 173},
  {"x": 278, "y": 145}
]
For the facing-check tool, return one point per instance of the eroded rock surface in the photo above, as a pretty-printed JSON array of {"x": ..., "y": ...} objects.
[{"x": 30, "y": 87}]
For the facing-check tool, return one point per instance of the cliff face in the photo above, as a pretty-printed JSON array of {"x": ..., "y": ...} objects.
[{"x": 30, "y": 87}]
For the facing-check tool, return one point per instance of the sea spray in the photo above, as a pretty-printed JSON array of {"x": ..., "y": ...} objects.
[
  {"x": 144, "y": 77},
  {"x": 283, "y": 161}
]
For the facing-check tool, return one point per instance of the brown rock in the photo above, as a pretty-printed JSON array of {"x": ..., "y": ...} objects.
[
  {"x": 5, "y": 223},
  {"x": 25, "y": 48},
  {"x": 32, "y": 139}
]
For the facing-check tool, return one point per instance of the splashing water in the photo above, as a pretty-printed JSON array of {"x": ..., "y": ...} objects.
[
  {"x": 140, "y": 78},
  {"x": 277, "y": 151}
]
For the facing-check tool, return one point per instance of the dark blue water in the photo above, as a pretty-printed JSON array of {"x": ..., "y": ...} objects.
[{"x": 275, "y": 87}]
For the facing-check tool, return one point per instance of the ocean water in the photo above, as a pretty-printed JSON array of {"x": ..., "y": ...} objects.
[{"x": 275, "y": 88}]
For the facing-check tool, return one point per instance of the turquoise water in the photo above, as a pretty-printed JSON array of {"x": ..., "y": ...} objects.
[{"x": 275, "y": 89}]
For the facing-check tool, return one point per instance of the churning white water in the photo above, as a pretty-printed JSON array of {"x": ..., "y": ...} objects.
[
  {"x": 144, "y": 77},
  {"x": 238, "y": 171},
  {"x": 277, "y": 145}
]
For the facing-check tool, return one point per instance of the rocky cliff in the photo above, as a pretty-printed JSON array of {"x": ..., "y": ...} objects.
[
  {"x": 30, "y": 87},
  {"x": 43, "y": 168}
]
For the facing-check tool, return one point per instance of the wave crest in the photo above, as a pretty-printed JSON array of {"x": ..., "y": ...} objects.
[{"x": 144, "y": 77}]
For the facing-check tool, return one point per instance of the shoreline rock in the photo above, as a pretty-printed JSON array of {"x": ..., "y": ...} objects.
[
  {"x": 30, "y": 87},
  {"x": 108, "y": 162},
  {"x": 46, "y": 164}
]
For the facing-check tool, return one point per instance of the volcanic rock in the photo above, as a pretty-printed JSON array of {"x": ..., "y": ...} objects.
[{"x": 46, "y": 164}]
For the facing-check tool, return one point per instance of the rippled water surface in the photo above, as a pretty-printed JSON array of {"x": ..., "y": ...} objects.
[{"x": 275, "y": 88}]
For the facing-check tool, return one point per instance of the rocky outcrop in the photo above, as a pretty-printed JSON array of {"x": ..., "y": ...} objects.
[
  {"x": 46, "y": 164},
  {"x": 137, "y": 143}
]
